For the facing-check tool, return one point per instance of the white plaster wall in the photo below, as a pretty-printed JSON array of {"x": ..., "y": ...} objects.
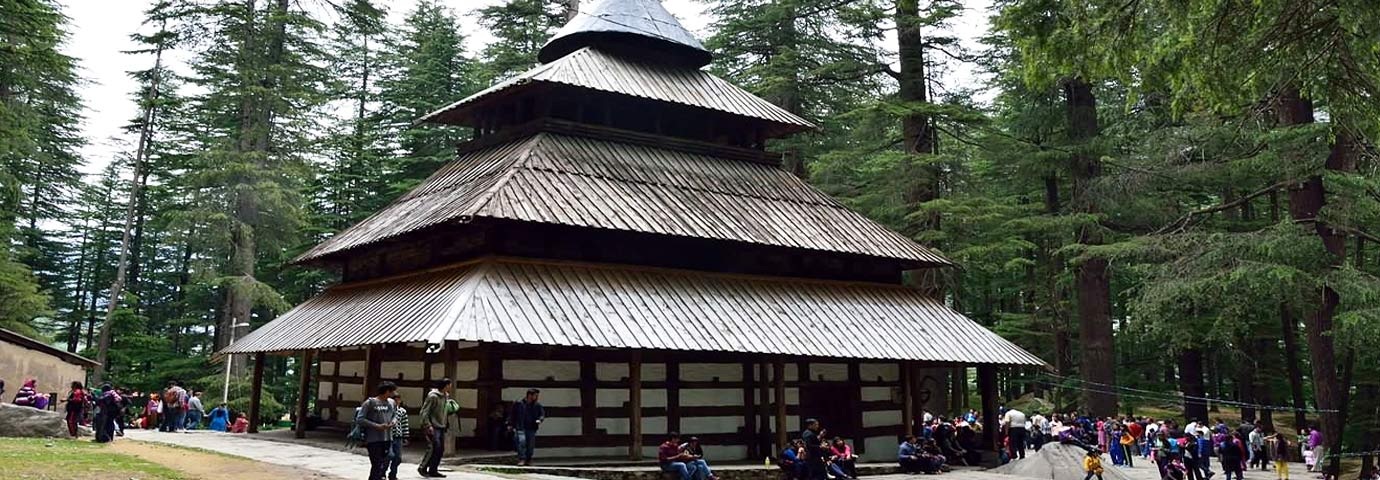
[
  {"x": 540, "y": 370},
  {"x": 467, "y": 398},
  {"x": 885, "y": 372},
  {"x": 702, "y": 425},
  {"x": 465, "y": 370},
  {"x": 829, "y": 372},
  {"x": 877, "y": 394},
  {"x": 327, "y": 367},
  {"x": 880, "y": 449},
  {"x": 708, "y": 372},
  {"x": 881, "y": 418},
  {"x": 412, "y": 398},
  {"x": 324, "y": 390},
  {"x": 438, "y": 370},
  {"x": 619, "y": 397},
  {"x": 351, "y": 392},
  {"x": 408, "y": 370},
  {"x": 705, "y": 397},
  {"x": 619, "y": 426},
  {"x": 792, "y": 372},
  {"x": 715, "y": 453},
  {"x": 353, "y": 368}
]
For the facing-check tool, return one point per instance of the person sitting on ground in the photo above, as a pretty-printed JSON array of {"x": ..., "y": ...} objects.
[
  {"x": 908, "y": 454},
  {"x": 842, "y": 459},
  {"x": 672, "y": 459},
  {"x": 792, "y": 461},
  {"x": 932, "y": 460},
  {"x": 946, "y": 436},
  {"x": 28, "y": 395},
  {"x": 696, "y": 452},
  {"x": 241, "y": 424},
  {"x": 1092, "y": 464}
]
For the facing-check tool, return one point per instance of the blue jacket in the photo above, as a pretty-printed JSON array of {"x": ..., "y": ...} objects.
[{"x": 906, "y": 450}]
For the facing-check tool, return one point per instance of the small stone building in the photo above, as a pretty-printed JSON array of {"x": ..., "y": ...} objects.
[
  {"x": 618, "y": 235},
  {"x": 23, "y": 358}
]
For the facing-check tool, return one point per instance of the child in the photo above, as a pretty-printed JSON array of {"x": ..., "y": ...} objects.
[
  {"x": 1093, "y": 464},
  {"x": 1176, "y": 469},
  {"x": 241, "y": 424},
  {"x": 1282, "y": 457}
]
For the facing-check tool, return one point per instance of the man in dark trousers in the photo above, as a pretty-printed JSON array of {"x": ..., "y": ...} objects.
[
  {"x": 434, "y": 426},
  {"x": 375, "y": 419},
  {"x": 523, "y": 421},
  {"x": 814, "y": 449}
]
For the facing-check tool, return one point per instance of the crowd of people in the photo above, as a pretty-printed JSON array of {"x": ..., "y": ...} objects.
[
  {"x": 1179, "y": 453},
  {"x": 108, "y": 411}
]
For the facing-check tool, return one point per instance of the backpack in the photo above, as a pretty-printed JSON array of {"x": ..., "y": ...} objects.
[{"x": 356, "y": 434}]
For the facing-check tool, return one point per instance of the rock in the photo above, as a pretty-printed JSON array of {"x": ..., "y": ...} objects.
[
  {"x": 1057, "y": 462},
  {"x": 17, "y": 421}
]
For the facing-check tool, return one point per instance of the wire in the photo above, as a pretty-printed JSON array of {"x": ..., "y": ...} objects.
[{"x": 1159, "y": 396}]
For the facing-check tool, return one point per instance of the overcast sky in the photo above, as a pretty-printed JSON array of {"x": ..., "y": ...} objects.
[{"x": 100, "y": 33}]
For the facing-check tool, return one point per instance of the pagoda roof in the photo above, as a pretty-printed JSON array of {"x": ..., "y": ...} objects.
[
  {"x": 573, "y": 180},
  {"x": 504, "y": 300},
  {"x": 596, "y": 69},
  {"x": 628, "y": 22}
]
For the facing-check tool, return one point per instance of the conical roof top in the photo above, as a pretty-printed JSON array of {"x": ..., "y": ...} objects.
[{"x": 628, "y": 23}]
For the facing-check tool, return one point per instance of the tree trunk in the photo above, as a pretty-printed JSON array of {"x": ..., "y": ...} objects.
[
  {"x": 918, "y": 135},
  {"x": 1191, "y": 383},
  {"x": 1294, "y": 371},
  {"x": 1305, "y": 201},
  {"x": 1098, "y": 363},
  {"x": 122, "y": 265},
  {"x": 74, "y": 328}
]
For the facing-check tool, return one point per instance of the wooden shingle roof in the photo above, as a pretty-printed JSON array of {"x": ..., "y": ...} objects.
[
  {"x": 599, "y": 183},
  {"x": 503, "y": 300},
  {"x": 595, "y": 69}
]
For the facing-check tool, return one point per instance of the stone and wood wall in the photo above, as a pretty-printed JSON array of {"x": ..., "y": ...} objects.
[{"x": 728, "y": 400}]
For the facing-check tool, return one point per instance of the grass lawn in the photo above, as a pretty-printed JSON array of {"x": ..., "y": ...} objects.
[{"x": 33, "y": 458}]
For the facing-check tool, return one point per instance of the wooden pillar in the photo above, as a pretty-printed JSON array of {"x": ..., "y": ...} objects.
[
  {"x": 635, "y": 406},
  {"x": 452, "y": 357},
  {"x": 907, "y": 400},
  {"x": 987, "y": 387},
  {"x": 589, "y": 397},
  {"x": 779, "y": 380},
  {"x": 335, "y": 385},
  {"x": 303, "y": 389},
  {"x": 764, "y": 438},
  {"x": 373, "y": 367},
  {"x": 672, "y": 395},
  {"x": 256, "y": 390},
  {"x": 750, "y": 413}
]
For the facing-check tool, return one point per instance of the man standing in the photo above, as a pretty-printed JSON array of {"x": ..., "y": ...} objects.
[
  {"x": 195, "y": 410},
  {"x": 375, "y": 418},
  {"x": 1015, "y": 429},
  {"x": 523, "y": 421},
  {"x": 174, "y": 399},
  {"x": 814, "y": 451},
  {"x": 1037, "y": 433},
  {"x": 434, "y": 426},
  {"x": 400, "y": 434}
]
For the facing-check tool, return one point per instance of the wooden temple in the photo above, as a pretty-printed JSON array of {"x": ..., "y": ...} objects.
[{"x": 618, "y": 236}]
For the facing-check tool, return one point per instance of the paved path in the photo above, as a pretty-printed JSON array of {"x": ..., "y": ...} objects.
[{"x": 330, "y": 462}]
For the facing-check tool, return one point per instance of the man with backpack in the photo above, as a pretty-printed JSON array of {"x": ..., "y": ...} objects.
[
  {"x": 375, "y": 420},
  {"x": 174, "y": 407}
]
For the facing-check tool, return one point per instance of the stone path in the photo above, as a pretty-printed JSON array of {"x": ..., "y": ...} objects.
[{"x": 331, "y": 462}]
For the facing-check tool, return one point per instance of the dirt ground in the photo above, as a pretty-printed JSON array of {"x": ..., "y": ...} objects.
[{"x": 203, "y": 465}]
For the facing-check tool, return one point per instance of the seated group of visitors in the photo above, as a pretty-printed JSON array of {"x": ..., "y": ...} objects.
[
  {"x": 920, "y": 456},
  {"x": 814, "y": 457},
  {"x": 684, "y": 459}
]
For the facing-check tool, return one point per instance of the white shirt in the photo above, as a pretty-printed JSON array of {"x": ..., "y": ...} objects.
[
  {"x": 1040, "y": 423},
  {"x": 1014, "y": 418}
]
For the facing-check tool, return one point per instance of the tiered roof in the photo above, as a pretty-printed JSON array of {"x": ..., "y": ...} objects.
[{"x": 594, "y": 177}]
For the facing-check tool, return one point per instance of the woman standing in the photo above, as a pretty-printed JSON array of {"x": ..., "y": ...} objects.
[
  {"x": 77, "y": 399},
  {"x": 108, "y": 413},
  {"x": 152, "y": 410}
]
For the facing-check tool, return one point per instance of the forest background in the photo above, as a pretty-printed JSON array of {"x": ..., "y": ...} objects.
[{"x": 1152, "y": 195}]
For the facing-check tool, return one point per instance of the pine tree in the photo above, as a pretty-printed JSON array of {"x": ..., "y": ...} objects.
[
  {"x": 432, "y": 72},
  {"x": 520, "y": 28}
]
